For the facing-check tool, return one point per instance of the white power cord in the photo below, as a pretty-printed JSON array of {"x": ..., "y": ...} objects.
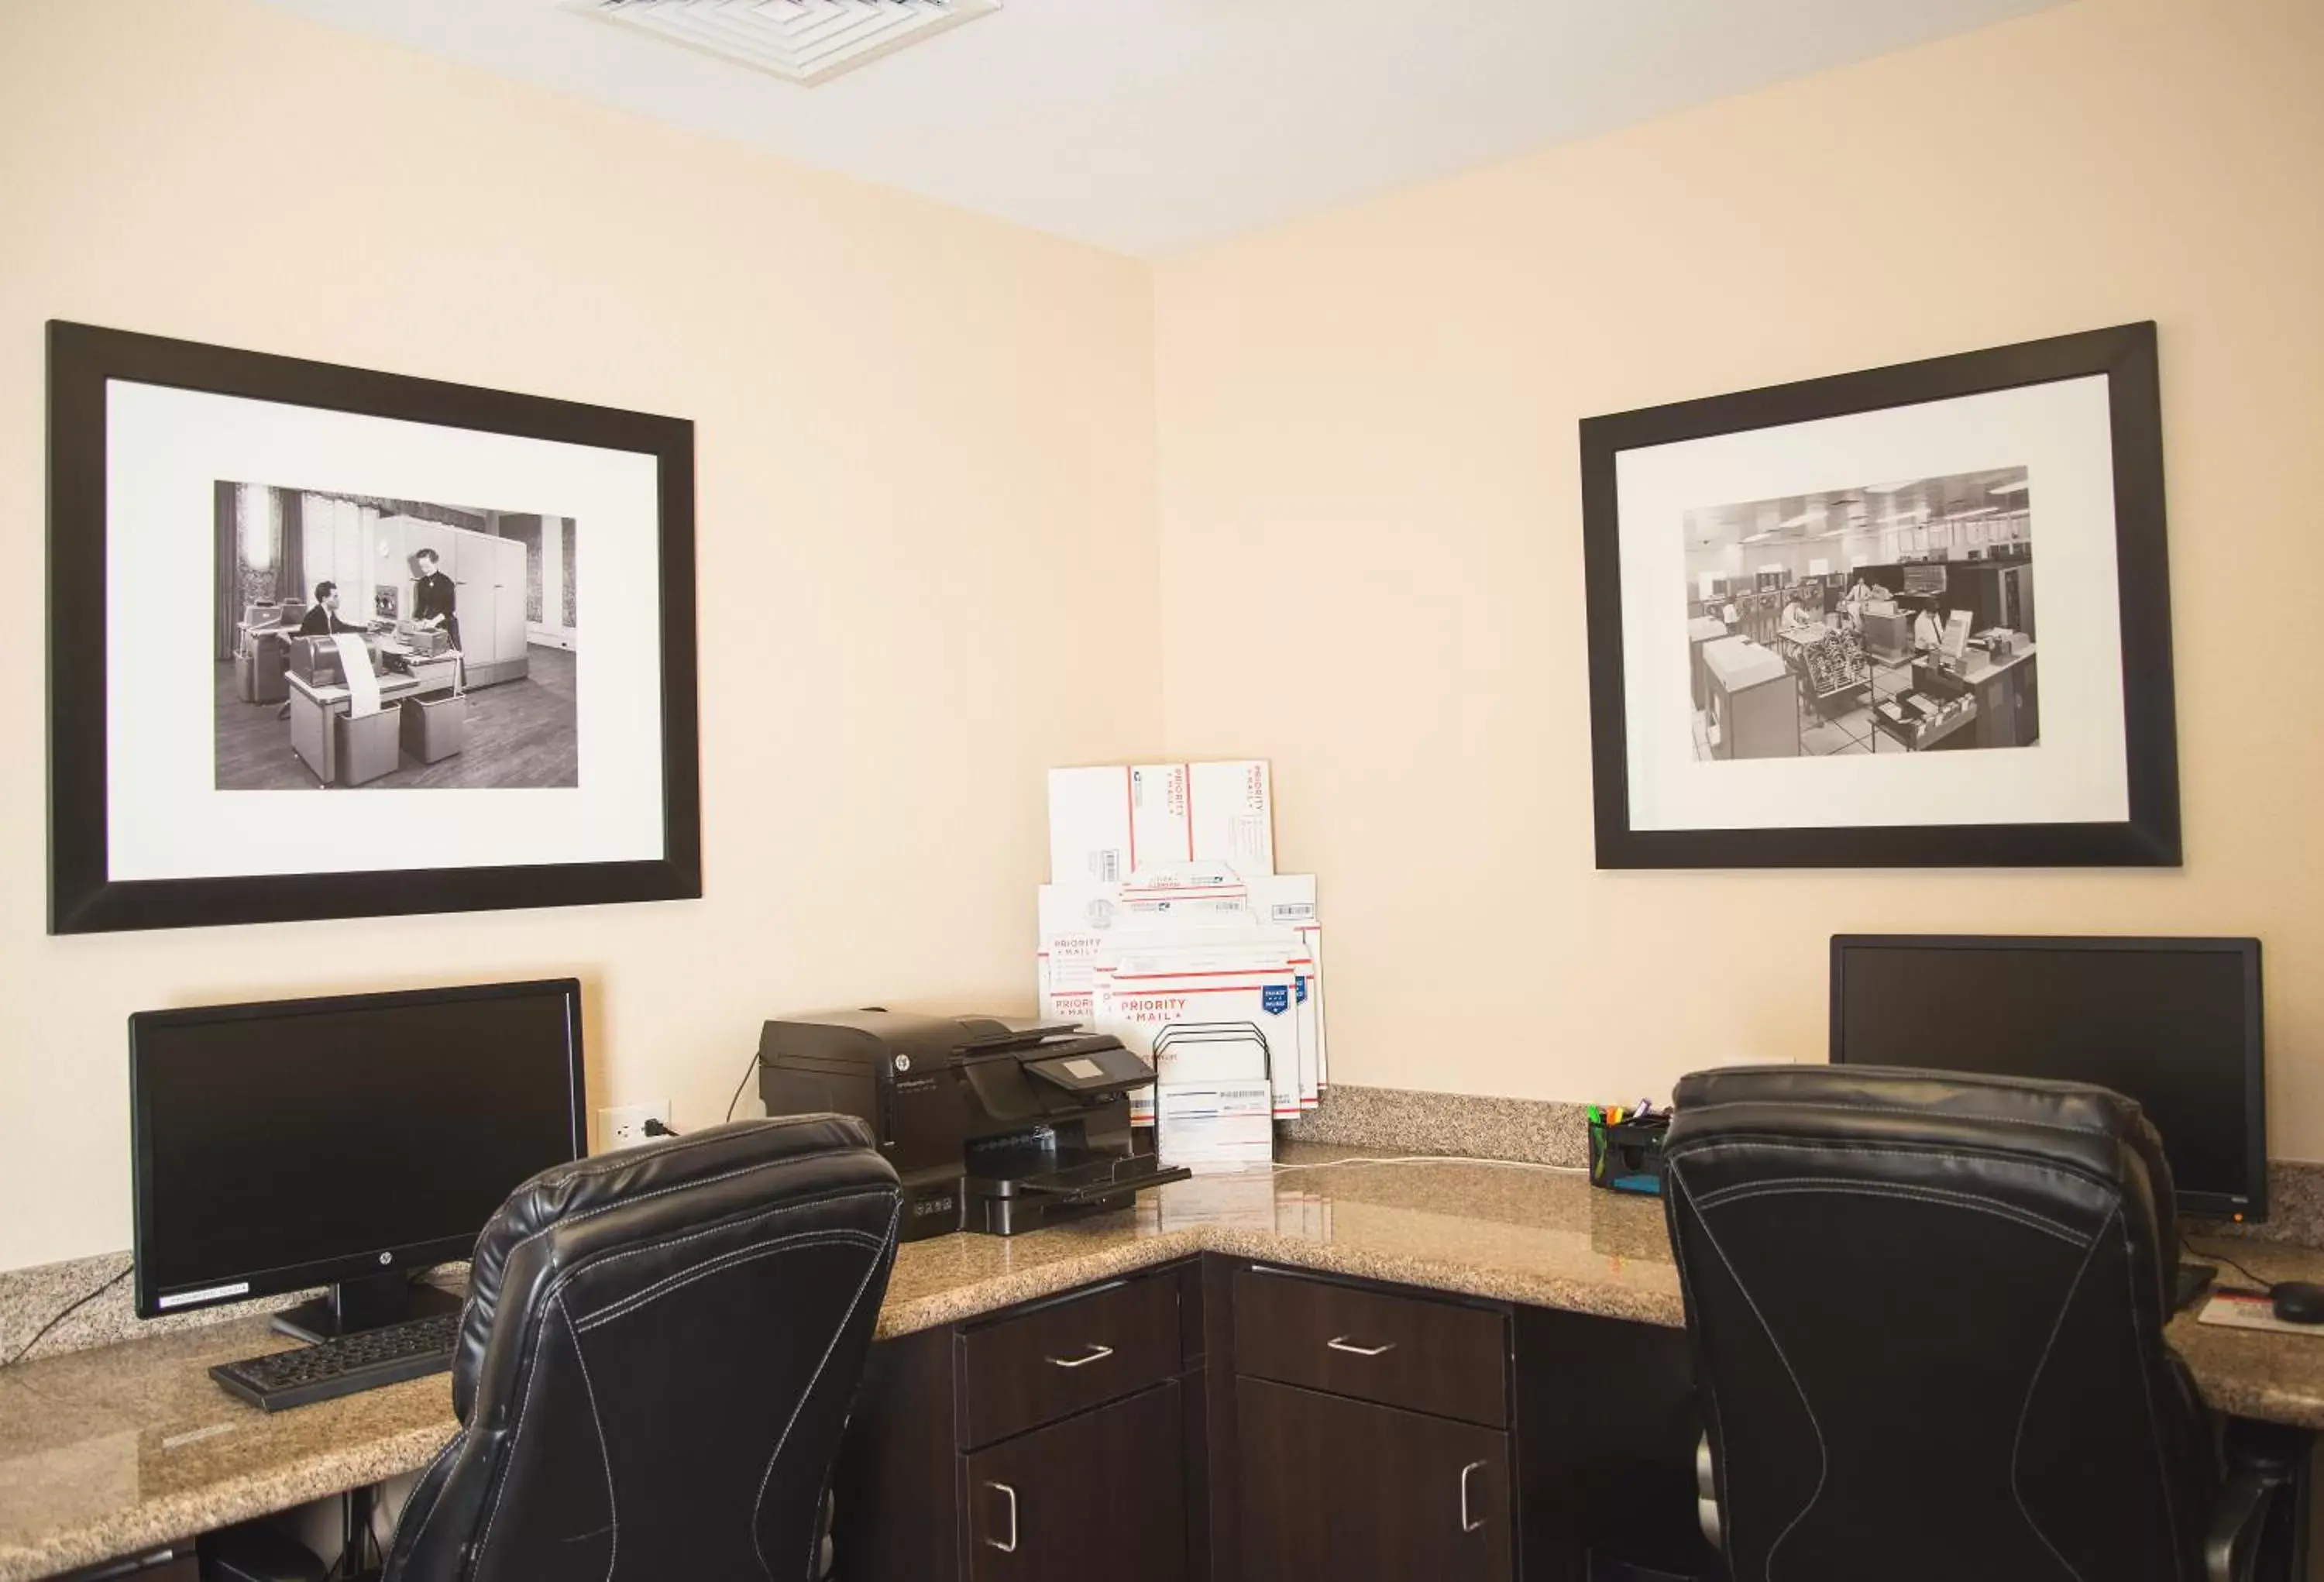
[{"x": 1570, "y": 1169}]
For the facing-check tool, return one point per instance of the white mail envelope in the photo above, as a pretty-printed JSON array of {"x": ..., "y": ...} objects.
[
  {"x": 1287, "y": 901},
  {"x": 1215, "y": 1126},
  {"x": 1108, "y": 822},
  {"x": 1075, "y": 919},
  {"x": 1077, "y": 922},
  {"x": 1231, "y": 815}
]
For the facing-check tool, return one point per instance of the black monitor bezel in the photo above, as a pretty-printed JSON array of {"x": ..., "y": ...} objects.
[
  {"x": 2219, "y": 1205},
  {"x": 410, "y": 1257}
]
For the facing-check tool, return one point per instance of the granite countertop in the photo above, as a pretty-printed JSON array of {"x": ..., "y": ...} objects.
[{"x": 109, "y": 1450}]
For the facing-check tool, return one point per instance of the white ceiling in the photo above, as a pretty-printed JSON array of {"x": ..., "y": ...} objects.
[{"x": 1149, "y": 126}]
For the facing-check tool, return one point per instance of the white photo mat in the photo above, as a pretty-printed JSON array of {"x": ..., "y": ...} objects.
[
  {"x": 2059, "y": 431},
  {"x": 166, "y": 449}
]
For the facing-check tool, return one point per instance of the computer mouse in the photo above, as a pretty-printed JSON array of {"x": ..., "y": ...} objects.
[{"x": 2298, "y": 1301}]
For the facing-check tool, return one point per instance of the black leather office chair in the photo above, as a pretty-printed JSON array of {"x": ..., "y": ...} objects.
[
  {"x": 1926, "y": 1313},
  {"x": 659, "y": 1353}
]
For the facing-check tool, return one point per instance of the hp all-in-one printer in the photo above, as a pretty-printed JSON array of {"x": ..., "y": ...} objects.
[{"x": 994, "y": 1125}]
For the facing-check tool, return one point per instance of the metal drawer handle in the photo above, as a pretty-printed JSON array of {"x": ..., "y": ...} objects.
[
  {"x": 1097, "y": 1353},
  {"x": 1466, "y": 1524},
  {"x": 1011, "y": 1546},
  {"x": 1342, "y": 1342}
]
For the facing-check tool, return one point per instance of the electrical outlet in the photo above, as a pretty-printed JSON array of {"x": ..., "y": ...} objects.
[{"x": 625, "y": 1127}]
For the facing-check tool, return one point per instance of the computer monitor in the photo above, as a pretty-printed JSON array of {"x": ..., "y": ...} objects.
[
  {"x": 348, "y": 1142},
  {"x": 2173, "y": 1024}
]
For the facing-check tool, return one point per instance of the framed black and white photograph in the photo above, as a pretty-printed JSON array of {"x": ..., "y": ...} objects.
[
  {"x": 1918, "y": 615},
  {"x": 317, "y": 645}
]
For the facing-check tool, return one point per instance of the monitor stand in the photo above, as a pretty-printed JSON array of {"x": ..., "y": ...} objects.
[{"x": 372, "y": 1301}]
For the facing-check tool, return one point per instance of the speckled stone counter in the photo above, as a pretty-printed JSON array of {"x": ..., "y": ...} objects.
[{"x": 109, "y": 1450}]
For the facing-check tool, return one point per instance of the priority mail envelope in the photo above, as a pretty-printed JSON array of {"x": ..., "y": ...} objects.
[
  {"x": 1081, "y": 922},
  {"x": 1108, "y": 823},
  {"x": 1138, "y": 998}
]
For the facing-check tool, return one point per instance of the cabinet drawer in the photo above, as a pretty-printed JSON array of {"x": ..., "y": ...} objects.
[
  {"x": 1409, "y": 1351},
  {"x": 1068, "y": 1355}
]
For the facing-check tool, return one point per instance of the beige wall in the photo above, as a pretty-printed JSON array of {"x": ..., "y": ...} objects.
[
  {"x": 1372, "y": 416},
  {"x": 928, "y": 473},
  {"x": 925, "y": 482}
]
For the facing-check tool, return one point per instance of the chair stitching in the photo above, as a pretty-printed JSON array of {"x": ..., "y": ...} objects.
[
  {"x": 604, "y": 1451},
  {"x": 592, "y": 1170},
  {"x": 670, "y": 1284},
  {"x": 728, "y": 1225},
  {"x": 1678, "y": 1251},
  {"x": 665, "y": 1191},
  {"x": 726, "y": 1228},
  {"x": 556, "y": 1288},
  {"x": 510, "y": 1257},
  {"x": 1728, "y": 1144},
  {"x": 1975, "y": 1202},
  {"x": 508, "y": 1452},
  {"x": 816, "y": 1531},
  {"x": 1824, "y": 1453},
  {"x": 2025, "y": 1408},
  {"x": 1932, "y": 1151},
  {"x": 1885, "y": 1109},
  {"x": 2146, "y": 1386},
  {"x": 1904, "y": 1188},
  {"x": 395, "y": 1533},
  {"x": 760, "y": 1505}
]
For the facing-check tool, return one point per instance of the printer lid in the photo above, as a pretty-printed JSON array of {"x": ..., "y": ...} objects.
[
  {"x": 876, "y": 1035},
  {"x": 1089, "y": 1067}
]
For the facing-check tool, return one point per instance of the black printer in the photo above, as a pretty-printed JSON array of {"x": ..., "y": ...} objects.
[{"x": 994, "y": 1125}]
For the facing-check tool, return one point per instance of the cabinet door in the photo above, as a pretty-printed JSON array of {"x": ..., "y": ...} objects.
[
  {"x": 508, "y": 601},
  {"x": 1344, "y": 1491},
  {"x": 475, "y": 569},
  {"x": 2029, "y": 703},
  {"x": 1100, "y": 1494}
]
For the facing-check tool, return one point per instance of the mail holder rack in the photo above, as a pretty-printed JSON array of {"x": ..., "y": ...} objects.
[{"x": 1626, "y": 1156}]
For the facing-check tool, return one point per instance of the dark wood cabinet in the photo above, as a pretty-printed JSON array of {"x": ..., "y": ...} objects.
[
  {"x": 1100, "y": 1494},
  {"x": 1242, "y": 1422},
  {"x": 1335, "y": 1490},
  {"x": 1064, "y": 1438}
]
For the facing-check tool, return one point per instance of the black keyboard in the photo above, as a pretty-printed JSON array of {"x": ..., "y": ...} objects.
[{"x": 364, "y": 1360}]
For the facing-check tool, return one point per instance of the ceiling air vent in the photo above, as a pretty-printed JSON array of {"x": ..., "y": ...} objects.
[{"x": 806, "y": 41}]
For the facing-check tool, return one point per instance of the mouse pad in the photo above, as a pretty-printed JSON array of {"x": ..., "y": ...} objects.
[{"x": 2238, "y": 1311}]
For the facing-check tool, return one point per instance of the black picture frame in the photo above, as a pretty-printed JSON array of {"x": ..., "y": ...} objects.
[
  {"x": 82, "y": 359},
  {"x": 2149, "y": 836}
]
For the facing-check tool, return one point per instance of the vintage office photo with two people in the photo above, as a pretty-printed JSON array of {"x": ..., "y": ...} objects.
[{"x": 387, "y": 643}]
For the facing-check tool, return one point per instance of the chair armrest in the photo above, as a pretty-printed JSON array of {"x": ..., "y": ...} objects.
[{"x": 2238, "y": 1520}]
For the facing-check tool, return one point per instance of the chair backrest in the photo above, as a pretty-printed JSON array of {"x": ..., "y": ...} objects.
[
  {"x": 1926, "y": 1312},
  {"x": 658, "y": 1355}
]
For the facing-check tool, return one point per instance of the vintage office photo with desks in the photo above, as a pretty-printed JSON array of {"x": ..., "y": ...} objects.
[
  {"x": 1896, "y": 617},
  {"x": 392, "y": 644},
  {"x": 1155, "y": 791}
]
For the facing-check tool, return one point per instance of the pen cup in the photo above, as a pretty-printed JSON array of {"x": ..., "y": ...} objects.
[{"x": 1626, "y": 1156}]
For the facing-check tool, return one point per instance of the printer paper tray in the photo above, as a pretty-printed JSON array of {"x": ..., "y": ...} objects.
[{"x": 1065, "y": 1193}]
